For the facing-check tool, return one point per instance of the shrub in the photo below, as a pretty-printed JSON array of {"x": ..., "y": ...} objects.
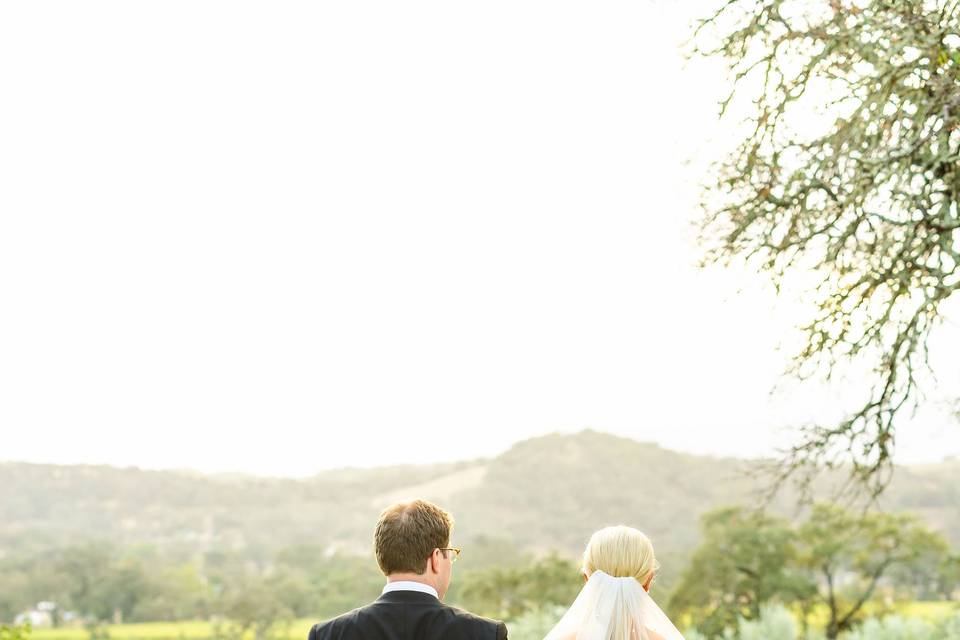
[
  {"x": 893, "y": 628},
  {"x": 774, "y": 623},
  {"x": 15, "y": 632},
  {"x": 535, "y": 624}
]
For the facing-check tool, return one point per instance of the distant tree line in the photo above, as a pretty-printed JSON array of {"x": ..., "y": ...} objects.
[
  {"x": 101, "y": 584},
  {"x": 842, "y": 565}
]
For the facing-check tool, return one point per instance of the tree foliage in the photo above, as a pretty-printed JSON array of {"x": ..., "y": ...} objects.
[
  {"x": 507, "y": 592},
  {"x": 15, "y": 632},
  {"x": 850, "y": 553},
  {"x": 746, "y": 559},
  {"x": 865, "y": 198},
  {"x": 836, "y": 560}
]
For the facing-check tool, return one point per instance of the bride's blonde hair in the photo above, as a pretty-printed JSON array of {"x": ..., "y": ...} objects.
[{"x": 620, "y": 552}]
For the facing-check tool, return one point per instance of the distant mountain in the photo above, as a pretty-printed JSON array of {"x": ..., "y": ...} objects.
[{"x": 547, "y": 493}]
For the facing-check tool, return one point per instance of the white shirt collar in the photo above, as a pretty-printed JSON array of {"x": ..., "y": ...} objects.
[{"x": 410, "y": 585}]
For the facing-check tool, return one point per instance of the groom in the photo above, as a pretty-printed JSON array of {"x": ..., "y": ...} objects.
[{"x": 412, "y": 543}]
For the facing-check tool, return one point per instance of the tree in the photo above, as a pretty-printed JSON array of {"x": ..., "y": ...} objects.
[
  {"x": 173, "y": 592},
  {"x": 86, "y": 572},
  {"x": 745, "y": 560},
  {"x": 13, "y": 587},
  {"x": 101, "y": 586},
  {"x": 509, "y": 592},
  {"x": 948, "y": 576},
  {"x": 868, "y": 202},
  {"x": 932, "y": 576},
  {"x": 850, "y": 553},
  {"x": 336, "y": 583},
  {"x": 255, "y": 607},
  {"x": 836, "y": 559},
  {"x": 125, "y": 585}
]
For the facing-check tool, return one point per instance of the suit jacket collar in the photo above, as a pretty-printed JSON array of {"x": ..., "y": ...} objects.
[
  {"x": 407, "y": 597},
  {"x": 410, "y": 585}
]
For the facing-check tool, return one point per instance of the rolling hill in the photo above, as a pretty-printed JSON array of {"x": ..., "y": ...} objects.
[{"x": 546, "y": 493}]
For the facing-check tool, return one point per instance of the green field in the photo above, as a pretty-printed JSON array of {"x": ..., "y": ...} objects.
[
  {"x": 189, "y": 630},
  {"x": 929, "y": 611},
  {"x": 926, "y": 611}
]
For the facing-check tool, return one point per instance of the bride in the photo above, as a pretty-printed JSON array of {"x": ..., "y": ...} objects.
[{"x": 618, "y": 568}]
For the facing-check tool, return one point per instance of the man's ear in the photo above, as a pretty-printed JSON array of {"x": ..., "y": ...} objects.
[{"x": 433, "y": 562}]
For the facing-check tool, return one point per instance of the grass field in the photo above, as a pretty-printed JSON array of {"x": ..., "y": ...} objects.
[
  {"x": 926, "y": 611},
  {"x": 188, "y": 630},
  {"x": 929, "y": 611}
]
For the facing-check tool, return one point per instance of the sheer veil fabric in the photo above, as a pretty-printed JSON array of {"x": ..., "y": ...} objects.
[{"x": 609, "y": 608}]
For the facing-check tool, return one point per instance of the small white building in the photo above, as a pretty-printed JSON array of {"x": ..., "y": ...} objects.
[{"x": 39, "y": 616}]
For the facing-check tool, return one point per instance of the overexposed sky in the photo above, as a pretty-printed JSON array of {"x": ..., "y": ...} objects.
[{"x": 283, "y": 237}]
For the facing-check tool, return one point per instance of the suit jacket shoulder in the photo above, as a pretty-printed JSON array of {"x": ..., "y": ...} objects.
[
  {"x": 408, "y": 615},
  {"x": 483, "y": 626}
]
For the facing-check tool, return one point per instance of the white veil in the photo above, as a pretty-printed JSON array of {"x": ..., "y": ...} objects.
[{"x": 611, "y": 608}]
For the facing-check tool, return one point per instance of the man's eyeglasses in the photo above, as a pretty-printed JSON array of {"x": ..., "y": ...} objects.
[{"x": 456, "y": 553}]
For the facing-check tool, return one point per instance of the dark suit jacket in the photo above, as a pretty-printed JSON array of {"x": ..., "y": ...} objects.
[{"x": 408, "y": 615}]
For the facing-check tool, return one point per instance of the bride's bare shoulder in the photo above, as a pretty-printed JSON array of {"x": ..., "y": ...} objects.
[{"x": 653, "y": 635}]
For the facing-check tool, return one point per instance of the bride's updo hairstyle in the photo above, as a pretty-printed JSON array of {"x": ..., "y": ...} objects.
[{"x": 621, "y": 552}]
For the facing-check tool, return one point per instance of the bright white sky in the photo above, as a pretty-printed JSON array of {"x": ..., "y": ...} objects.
[{"x": 282, "y": 237}]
